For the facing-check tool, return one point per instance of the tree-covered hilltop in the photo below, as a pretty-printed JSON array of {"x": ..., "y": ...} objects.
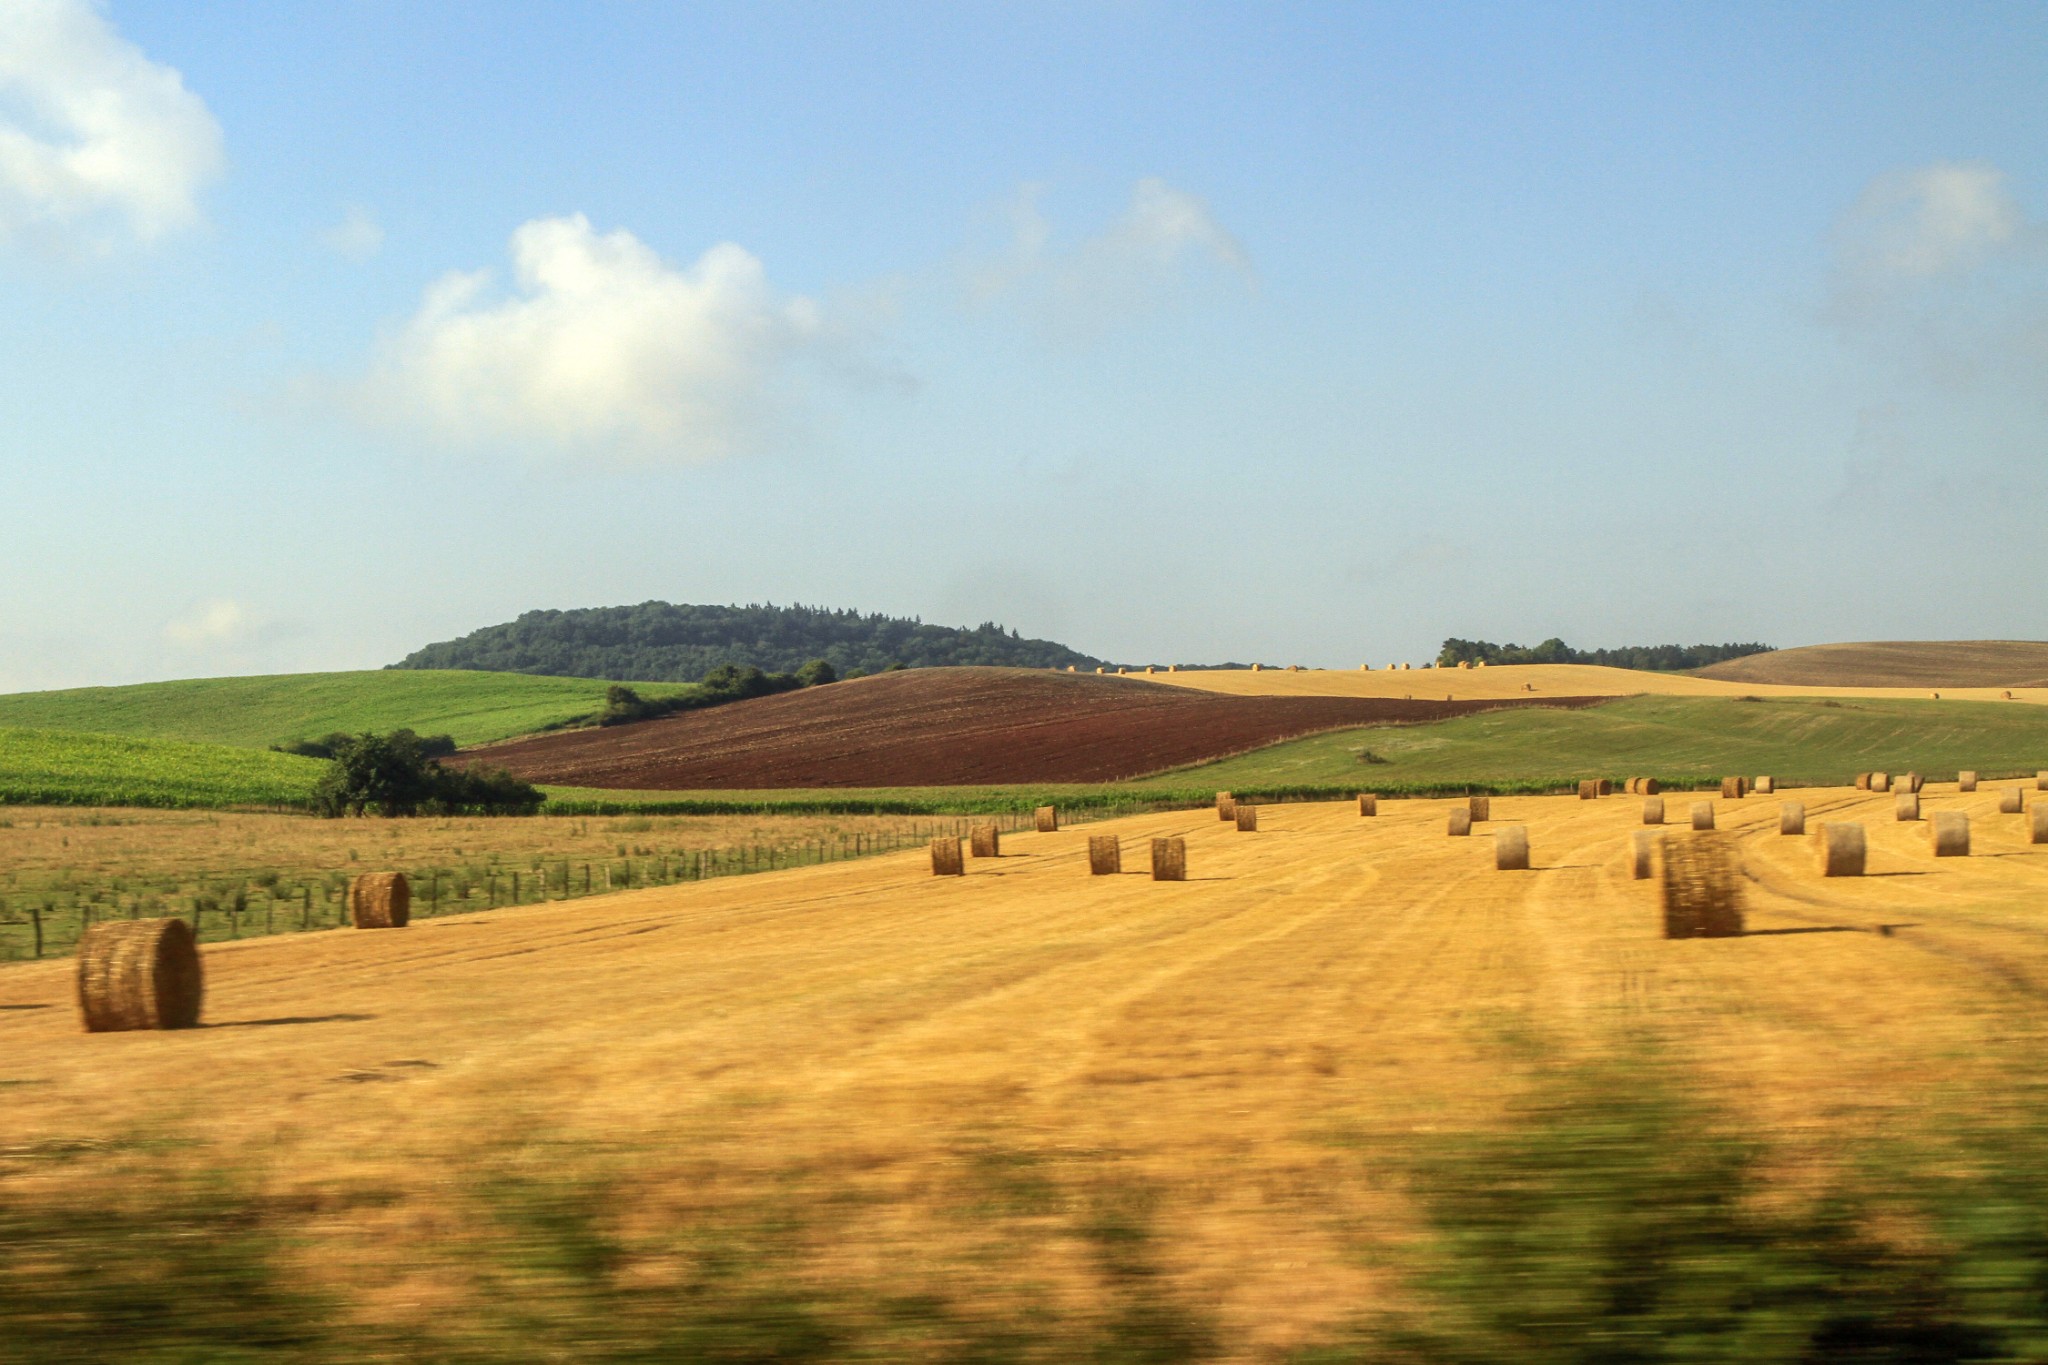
[
  {"x": 666, "y": 642},
  {"x": 1654, "y": 658}
]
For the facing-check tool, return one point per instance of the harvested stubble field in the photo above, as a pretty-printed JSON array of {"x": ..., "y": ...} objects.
[{"x": 859, "y": 1110}]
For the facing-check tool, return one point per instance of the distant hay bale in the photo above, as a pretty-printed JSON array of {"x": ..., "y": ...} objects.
[
  {"x": 1649, "y": 786},
  {"x": 1950, "y": 834},
  {"x": 2037, "y": 828},
  {"x": 1464, "y": 663},
  {"x": 1528, "y": 687},
  {"x": 2012, "y": 801},
  {"x": 1070, "y": 668},
  {"x": 1731, "y": 788},
  {"x": 1910, "y": 782},
  {"x": 1481, "y": 808},
  {"x": 984, "y": 841},
  {"x": 1628, "y": 788},
  {"x": 1046, "y": 819},
  {"x": 1460, "y": 824},
  {"x": 1906, "y": 806},
  {"x": 1702, "y": 888},
  {"x": 1588, "y": 788},
  {"x": 1702, "y": 815},
  {"x": 1105, "y": 855},
  {"x": 1966, "y": 782},
  {"x": 1247, "y": 817},
  {"x": 1150, "y": 669},
  {"x": 1123, "y": 672},
  {"x": 1935, "y": 695},
  {"x": 946, "y": 860},
  {"x": 380, "y": 900},
  {"x": 1653, "y": 810},
  {"x": 1604, "y": 786},
  {"x": 1169, "y": 860},
  {"x": 1841, "y": 849},
  {"x": 2041, "y": 780},
  {"x": 1792, "y": 817},
  {"x": 2005, "y": 696},
  {"x": 1101, "y": 670},
  {"x": 1763, "y": 786},
  {"x": 1863, "y": 782},
  {"x": 1511, "y": 848},
  {"x": 1173, "y": 668},
  {"x": 1294, "y": 668},
  {"x": 139, "y": 974},
  {"x": 1880, "y": 782},
  {"x": 1258, "y": 668},
  {"x": 1226, "y": 809},
  {"x": 1368, "y": 803},
  {"x": 1642, "y": 854}
]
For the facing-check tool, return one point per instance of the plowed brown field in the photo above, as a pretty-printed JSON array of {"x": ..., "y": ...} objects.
[
  {"x": 948, "y": 727},
  {"x": 1248, "y": 1046}
]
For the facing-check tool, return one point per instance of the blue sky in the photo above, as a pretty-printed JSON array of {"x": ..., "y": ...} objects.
[{"x": 1307, "y": 333}]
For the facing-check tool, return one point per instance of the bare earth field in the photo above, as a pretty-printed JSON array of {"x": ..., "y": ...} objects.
[
  {"x": 949, "y": 727},
  {"x": 1243, "y": 1058}
]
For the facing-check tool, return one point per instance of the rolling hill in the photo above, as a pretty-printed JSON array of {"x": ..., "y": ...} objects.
[{"x": 1895, "y": 663}]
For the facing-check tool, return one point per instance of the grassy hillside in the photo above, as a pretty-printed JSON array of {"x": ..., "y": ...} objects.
[
  {"x": 1815, "y": 740},
  {"x": 1894, "y": 663},
  {"x": 53, "y": 767},
  {"x": 254, "y": 712}
]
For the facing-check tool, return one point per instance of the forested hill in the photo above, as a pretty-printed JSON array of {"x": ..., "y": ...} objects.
[{"x": 664, "y": 642}]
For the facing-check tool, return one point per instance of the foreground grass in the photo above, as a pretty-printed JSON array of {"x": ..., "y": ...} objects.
[{"x": 474, "y": 707}]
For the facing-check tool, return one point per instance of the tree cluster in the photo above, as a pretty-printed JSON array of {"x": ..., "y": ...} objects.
[
  {"x": 1651, "y": 658},
  {"x": 394, "y": 775}
]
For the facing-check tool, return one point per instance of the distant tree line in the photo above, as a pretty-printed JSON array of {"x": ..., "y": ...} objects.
[
  {"x": 396, "y": 775},
  {"x": 1653, "y": 658},
  {"x": 666, "y": 642},
  {"x": 727, "y": 682}
]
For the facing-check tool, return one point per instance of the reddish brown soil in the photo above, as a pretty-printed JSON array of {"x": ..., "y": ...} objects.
[{"x": 947, "y": 727}]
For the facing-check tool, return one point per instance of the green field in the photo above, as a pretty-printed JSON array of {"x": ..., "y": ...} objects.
[
  {"x": 255, "y": 712},
  {"x": 54, "y": 768}
]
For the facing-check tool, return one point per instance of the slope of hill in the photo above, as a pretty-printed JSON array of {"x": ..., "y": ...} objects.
[
  {"x": 943, "y": 727},
  {"x": 681, "y": 643},
  {"x": 1523, "y": 680},
  {"x": 58, "y": 768},
  {"x": 473, "y": 707},
  {"x": 1895, "y": 663}
]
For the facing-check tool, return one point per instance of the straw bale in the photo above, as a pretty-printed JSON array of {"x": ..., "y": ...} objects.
[
  {"x": 1649, "y": 786},
  {"x": 1880, "y": 782},
  {"x": 985, "y": 841},
  {"x": 1906, "y": 806},
  {"x": 1481, "y": 808},
  {"x": 1966, "y": 781},
  {"x": 1642, "y": 854},
  {"x": 1629, "y": 787},
  {"x": 1702, "y": 888},
  {"x": 1606, "y": 786},
  {"x": 1950, "y": 834},
  {"x": 1653, "y": 810},
  {"x": 2006, "y": 696},
  {"x": 380, "y": 900},
  {"x": 2012, "y": 801},
  {"x": 1368, "y": 803},
  {"x": 1461, "y": 822},
  {"x": 1911, "y": 782},
  {"x": 1863, "y": 782},
  {"x": 1464, "y": 663},
  {"x": 1247, "y": 817},
  {"x": 1792, "y": 817},
  {"x": 946, "y": 860},
  {"x": 1702, "y": 815},
  {"x": 1763, "y": 786},
  {"x": 1105, "y": 855},
  {"x": 1046, "y": 819},
  {"x": 2041, "y": 780},
  {"x": 1170, "y": 860},
  {"x": 139, "y": 974},
  {"x": 1511, "y": 848},
  {"x": 1841, "y": 849},
  {"x": 1732, "y": 788},
  {"x": 2037, "y": 828},
  {"x": 1226, "y": 806},
  {"x": 1258, "y": 668},
  {"x": 1588, "y": 789}
]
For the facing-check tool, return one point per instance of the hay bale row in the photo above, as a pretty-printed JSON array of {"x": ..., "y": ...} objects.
[
  {"x": 1910, "y": 782},
  {"x": 139, "y": 974},
  {"x": 1368, "y": 803},
  {"x": 1842, "y": 848},
  {"x": 1702, "y": 815},
  {"x": 1764, "y": 786},
  {"x": 946, "y": 860},
  {"x": 1702, "y": 889},
  {"x": 1511, "y": 848},
  {"x": 1105, "y": 855},
  {"x": 1226, "y": 806},
  {"x": 985, "y": 841},
  {"x": 1653, "y": 810},
  {"x": 1949, "y": 832},
  {"x": 1792, "y": 817},
  {"x": 1170, "y": 860},
  {"x": 1642, "y": 786},
  {"x": 380, "y": 900}
]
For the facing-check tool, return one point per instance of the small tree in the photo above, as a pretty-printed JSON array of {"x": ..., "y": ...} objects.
[{"x": 817, "y": 671}]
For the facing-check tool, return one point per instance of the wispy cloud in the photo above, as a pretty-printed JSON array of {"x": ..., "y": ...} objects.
[
  {"x": 99, "y": 133},
  {"x": 1140, "y": 262},
  {"x": 358, "y": 236},
  {"x": 220, "y": 621},
  {"x": 603, "y": 348}
]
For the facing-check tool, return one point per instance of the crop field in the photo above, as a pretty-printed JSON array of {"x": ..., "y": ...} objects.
[
  {"x": 256, "y": 712},
  {"x": 1345, "y": 1094},
  {"x": 54, "y": 767}
]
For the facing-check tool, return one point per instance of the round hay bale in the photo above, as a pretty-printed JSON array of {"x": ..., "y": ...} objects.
[
  {"x": 1702, "y": 888},
  {"x": 946, "y": 860},
  {"x": 1841, "y": 849},
  {"x": 2005, "y": 696},
  {"x": 1481, "y": 808},
  {"x": 1046, "y": 819},
  {"x": 1763, "y": 786},
  {"x": 139, "y": 974},
  {"x": 1966, "y": 781},
  {"x": 1588, "y": 788},
  {"x": 1950, "y": 833},
  {"x": 1511, "y": 848},
  {"x": 1792, "y": 817},
  {"x": 1906, "y": 806},
  {"x": 1368, "y": 803},
  {"x": 1105, "y": 855},
  {"x": 1650, "y": 786},
  {"x": 1258, "y": 668},
  {"x": 1653, "y": 810},
  {"x": 1731, "y": 788},
  {"x": 380, "y": 900},
  {"x": 984, "y": 841},
  {"x": 1880, "y": 782},
  {"x": 1605, "y": 786},
  {"x": 1911, "y": 782},
  {"x": 1628, "y": 788},
  {"x": 2037, "y": 827},
  {"x": 1642, "y": 854},
  {"x": 1460, "y": 823},
  {"x": 1169, "y": 860},
  {"x": 1702, "y": 815},
  {"x": 1863, "y": 782},
  {"x": 1464, "y": 663},
  {"x": 1247, "y": 818},
  {"x": 2012, "y": 801},
  {"x": 2041, "y": 780}
]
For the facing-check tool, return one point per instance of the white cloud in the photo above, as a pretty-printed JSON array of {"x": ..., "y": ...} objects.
[
  {"x": 220, "y": 621},
  {"x": 358, "y": 235},
  {"x": 1928, "y": 220},
  {"x": 89, "y": 126},
  {"x": 601, "y": 347},
  {"x": 1140, "y": 262}
]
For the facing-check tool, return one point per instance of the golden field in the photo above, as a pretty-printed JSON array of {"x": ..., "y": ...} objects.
[{"x": 926, "y": 1058}]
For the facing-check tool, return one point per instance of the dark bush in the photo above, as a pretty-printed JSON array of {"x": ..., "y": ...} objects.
[{"x": 396, "y": 774}]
